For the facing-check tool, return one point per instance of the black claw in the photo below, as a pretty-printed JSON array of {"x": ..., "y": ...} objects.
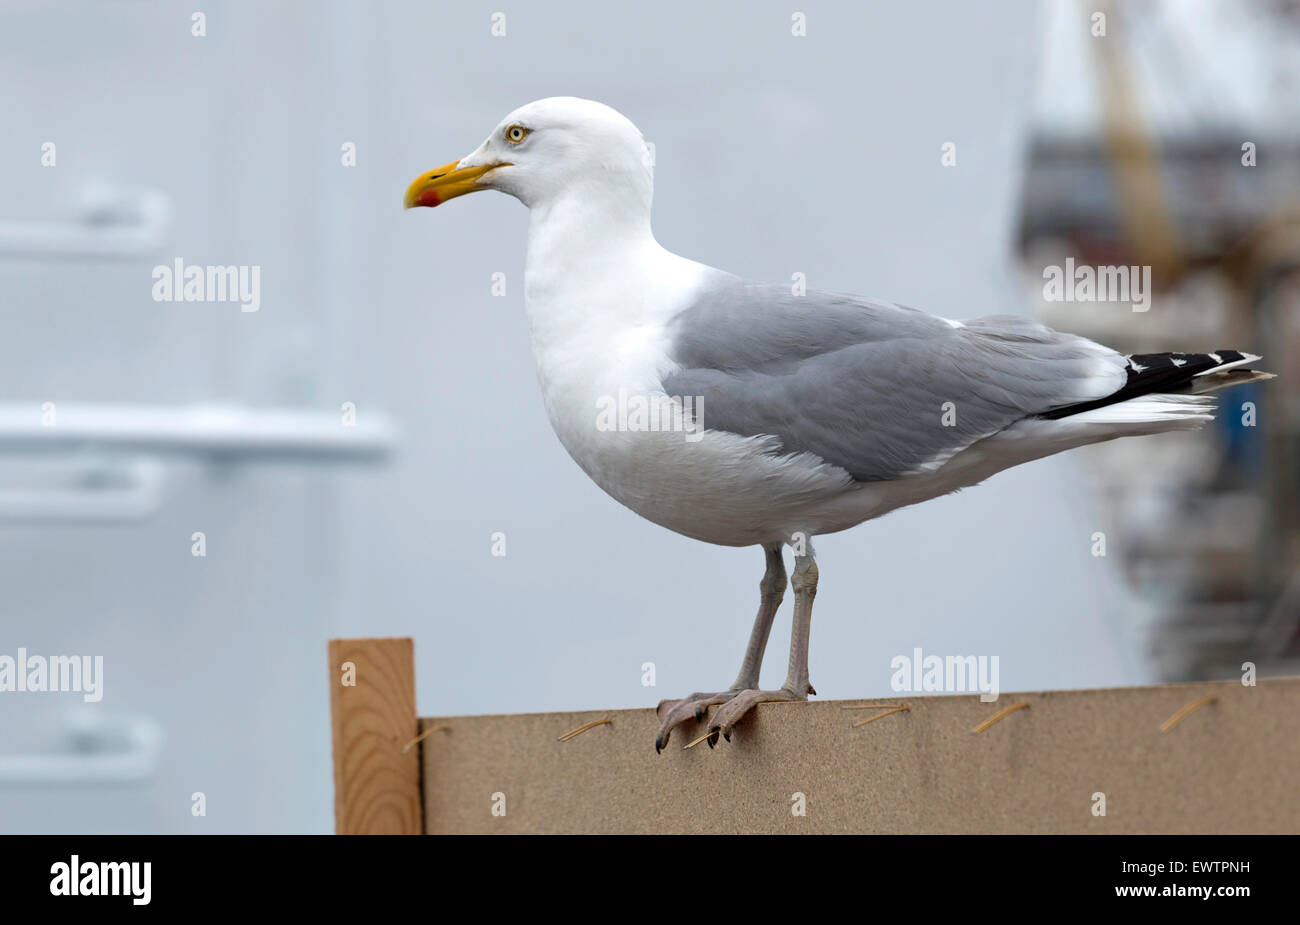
[
  {"x": 659, "y": 744},
  {"x": 811, "y": 690},
  {"x": 700, "y": 711},
  {"x": 727, "y": 735}
]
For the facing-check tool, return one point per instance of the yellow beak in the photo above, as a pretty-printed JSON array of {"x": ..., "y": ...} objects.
[{"x": 445, "y": 182}]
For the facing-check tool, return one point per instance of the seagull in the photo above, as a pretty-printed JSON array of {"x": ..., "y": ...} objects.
[{"x": 745, "y": 414}]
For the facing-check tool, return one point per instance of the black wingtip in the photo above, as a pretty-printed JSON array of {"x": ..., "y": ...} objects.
[{"x": 1149, "y": 373}]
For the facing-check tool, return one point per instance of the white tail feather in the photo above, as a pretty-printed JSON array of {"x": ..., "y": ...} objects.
[{"x": 1159, "y": 408}]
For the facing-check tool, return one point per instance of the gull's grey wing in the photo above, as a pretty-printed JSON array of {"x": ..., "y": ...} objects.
[{"x": 865, "y": 385}]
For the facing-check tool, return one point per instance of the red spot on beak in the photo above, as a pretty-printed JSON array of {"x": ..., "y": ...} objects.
[{"x": 429, "y": 198}]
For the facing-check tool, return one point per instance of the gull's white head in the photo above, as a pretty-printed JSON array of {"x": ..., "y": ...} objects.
[{"x": 548, "y": 150}]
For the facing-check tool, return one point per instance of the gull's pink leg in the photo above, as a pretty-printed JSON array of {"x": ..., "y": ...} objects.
[
  {"x": 771, "y": 589},
  {"x": 796, "y": 686}
]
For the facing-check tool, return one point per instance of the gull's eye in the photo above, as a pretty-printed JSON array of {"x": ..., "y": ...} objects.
[{"x": 516, "y": 134}]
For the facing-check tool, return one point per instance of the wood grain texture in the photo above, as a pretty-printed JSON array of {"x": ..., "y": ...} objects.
[
  {"x": 1230, "y": 766},
  {"x": 376, "y": 787}
]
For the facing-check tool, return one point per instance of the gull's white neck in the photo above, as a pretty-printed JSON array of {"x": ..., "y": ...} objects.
[
  {"x": 576, "y": 249},
  {"x": 594, "y": 269}
]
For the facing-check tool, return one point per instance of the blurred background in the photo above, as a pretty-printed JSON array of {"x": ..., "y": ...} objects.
[
  {"x": 1174, "y": 142},
  {"x": 344, "y": 456}
]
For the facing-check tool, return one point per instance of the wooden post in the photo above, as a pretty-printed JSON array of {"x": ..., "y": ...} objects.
[{"x": 372, "y": 711}]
